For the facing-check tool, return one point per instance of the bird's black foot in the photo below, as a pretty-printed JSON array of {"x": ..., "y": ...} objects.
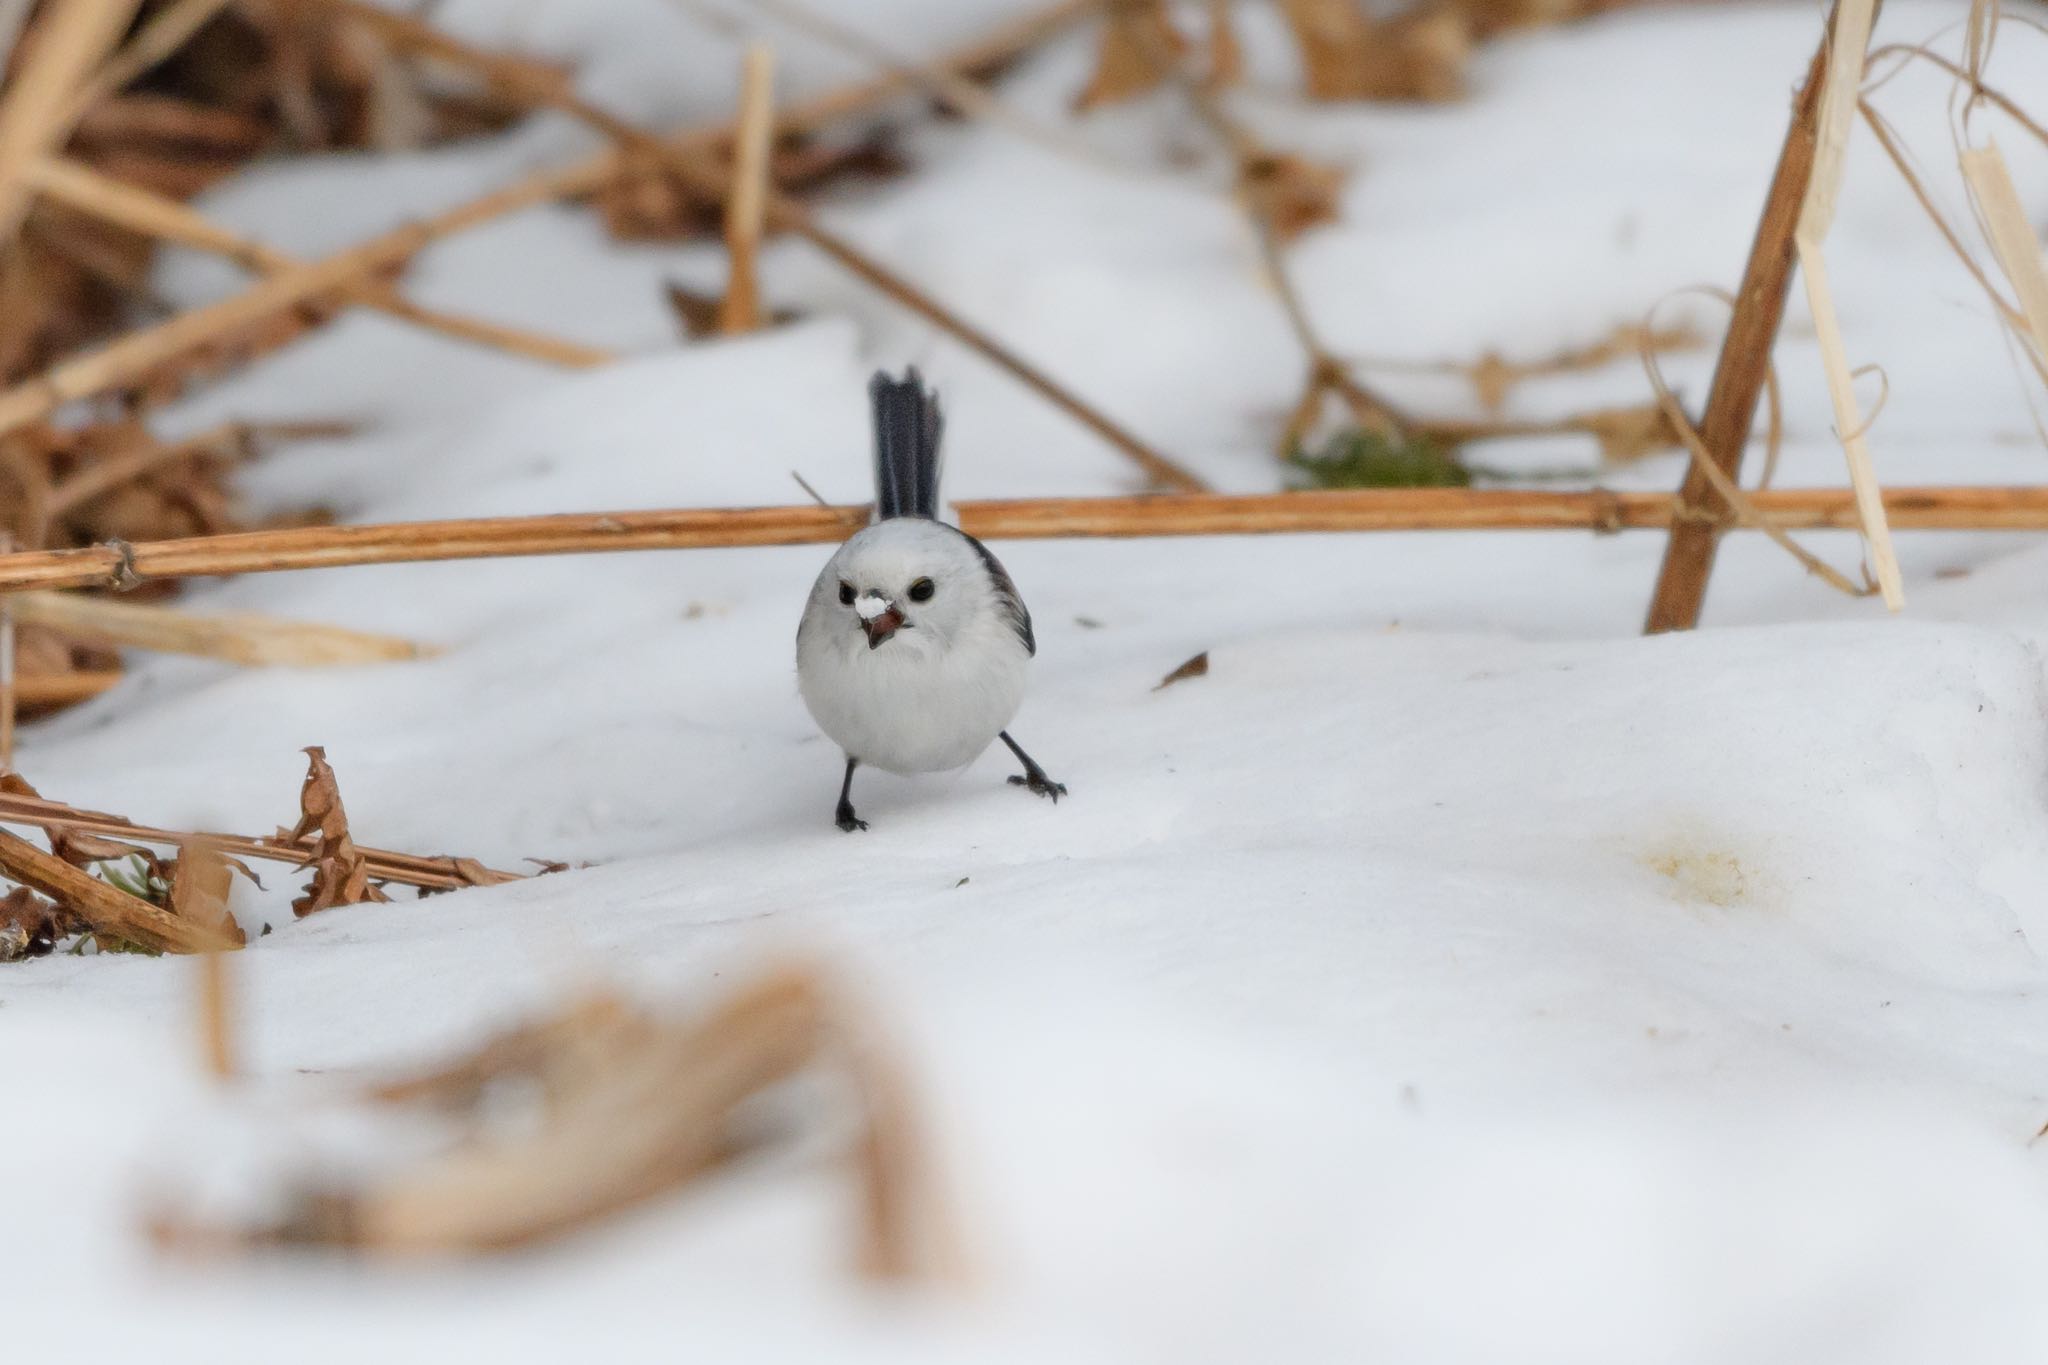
[
  {"x": 844, "y": 816},
  {"x": 1038, "y": 782},
  {"x": 1033, "y": 776}
]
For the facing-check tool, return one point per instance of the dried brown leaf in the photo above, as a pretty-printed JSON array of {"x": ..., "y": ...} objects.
[
  {"x": 696, "y": 313},
  {"x": 1291, "y": 194},
  {"x": 199, "y": 891},
  {"x": 1197, "y": 667},
  {"x": 341, "y": 875},
  {"x": 1630, "y": 433}
]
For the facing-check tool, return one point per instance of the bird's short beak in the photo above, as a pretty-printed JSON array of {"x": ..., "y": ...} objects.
[{"x": 880, "y": 628}]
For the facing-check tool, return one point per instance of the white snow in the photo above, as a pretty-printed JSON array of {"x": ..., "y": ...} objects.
[
  {"x": 869, "y": 606},
  {"x": 1449, "y": 975}
]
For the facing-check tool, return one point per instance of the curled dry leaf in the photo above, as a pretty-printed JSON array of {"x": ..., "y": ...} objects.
[
  {"x": 1197, "y": 667},
  {"x": 341, "y": 874}
]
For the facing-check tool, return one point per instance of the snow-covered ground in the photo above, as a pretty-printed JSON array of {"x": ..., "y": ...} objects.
[{"x": 1449, "y": 975}]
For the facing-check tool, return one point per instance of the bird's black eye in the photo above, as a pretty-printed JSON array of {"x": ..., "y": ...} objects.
[
  {"x": 922, "y": 590},
  {"x": 845, "y": 594}
]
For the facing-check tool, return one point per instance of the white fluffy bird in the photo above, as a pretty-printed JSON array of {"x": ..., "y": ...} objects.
[{"x": 914, "y": 645}]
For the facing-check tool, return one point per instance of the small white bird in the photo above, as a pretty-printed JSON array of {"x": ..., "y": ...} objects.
[{"x": 914, "y": 644}]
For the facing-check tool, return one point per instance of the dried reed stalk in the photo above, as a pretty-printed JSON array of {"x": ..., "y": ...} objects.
[
  {"x": 2012, "y": 239},
  {"x": 199, "y": 894},
  {"x": 407, "y": 869},
  {"x": 216, "y": 1013},
  {"x": 154, "y": 215},
  {"x": 34, "y": 116},
  {"x": 33, "y": 690},
  {"x": 1194, "y": 514},
  {"x": 746, "y": 203},
  {"x": 105, "y": 909},
  {"x": 237, "y": 637},
  {"x": 1744, "y": 363},
  {"x": 1850, "y": 39}
]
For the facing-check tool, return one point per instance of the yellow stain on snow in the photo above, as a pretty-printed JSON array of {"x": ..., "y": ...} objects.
[{"x": 1712, "y": 875}]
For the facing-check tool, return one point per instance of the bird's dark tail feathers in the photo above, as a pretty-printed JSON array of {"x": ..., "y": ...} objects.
[{"x": 907, "y": 428}]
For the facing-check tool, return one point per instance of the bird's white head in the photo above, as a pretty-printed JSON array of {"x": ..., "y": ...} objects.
[{"x": 909, "y": 584}]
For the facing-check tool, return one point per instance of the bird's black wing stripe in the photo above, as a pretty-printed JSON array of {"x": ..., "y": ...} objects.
[{"x": 1007, "y": 600}]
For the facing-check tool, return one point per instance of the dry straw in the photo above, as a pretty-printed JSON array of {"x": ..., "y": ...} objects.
[
  {"x": 746, "y": 206},
  {"x": 239, "y": 637},
  {"x": 37, "y": 115},
  {"x": 2012, "y": 239},
  {"x": 1849, "y": 40}
]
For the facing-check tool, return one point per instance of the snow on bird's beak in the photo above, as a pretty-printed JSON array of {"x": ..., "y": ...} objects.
[{"x": 878, "y": 617}]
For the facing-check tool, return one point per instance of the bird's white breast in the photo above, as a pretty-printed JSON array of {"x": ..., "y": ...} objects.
[{"x": 910, "y": 707}]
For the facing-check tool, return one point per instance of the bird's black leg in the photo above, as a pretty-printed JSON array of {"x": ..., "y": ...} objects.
[
  {"x": 845, "y": 817},
  {"x": 1034, "y": 776}
]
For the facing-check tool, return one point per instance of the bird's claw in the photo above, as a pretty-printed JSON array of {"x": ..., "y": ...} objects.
[
  {"x": 1040, "y": 784},
  {"x": 850, "y": 822}
]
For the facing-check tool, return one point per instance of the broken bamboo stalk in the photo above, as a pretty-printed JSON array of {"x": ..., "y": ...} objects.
[
  {"x": 117, "y": 565},
  {"x": 1745, "y": 360}
]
